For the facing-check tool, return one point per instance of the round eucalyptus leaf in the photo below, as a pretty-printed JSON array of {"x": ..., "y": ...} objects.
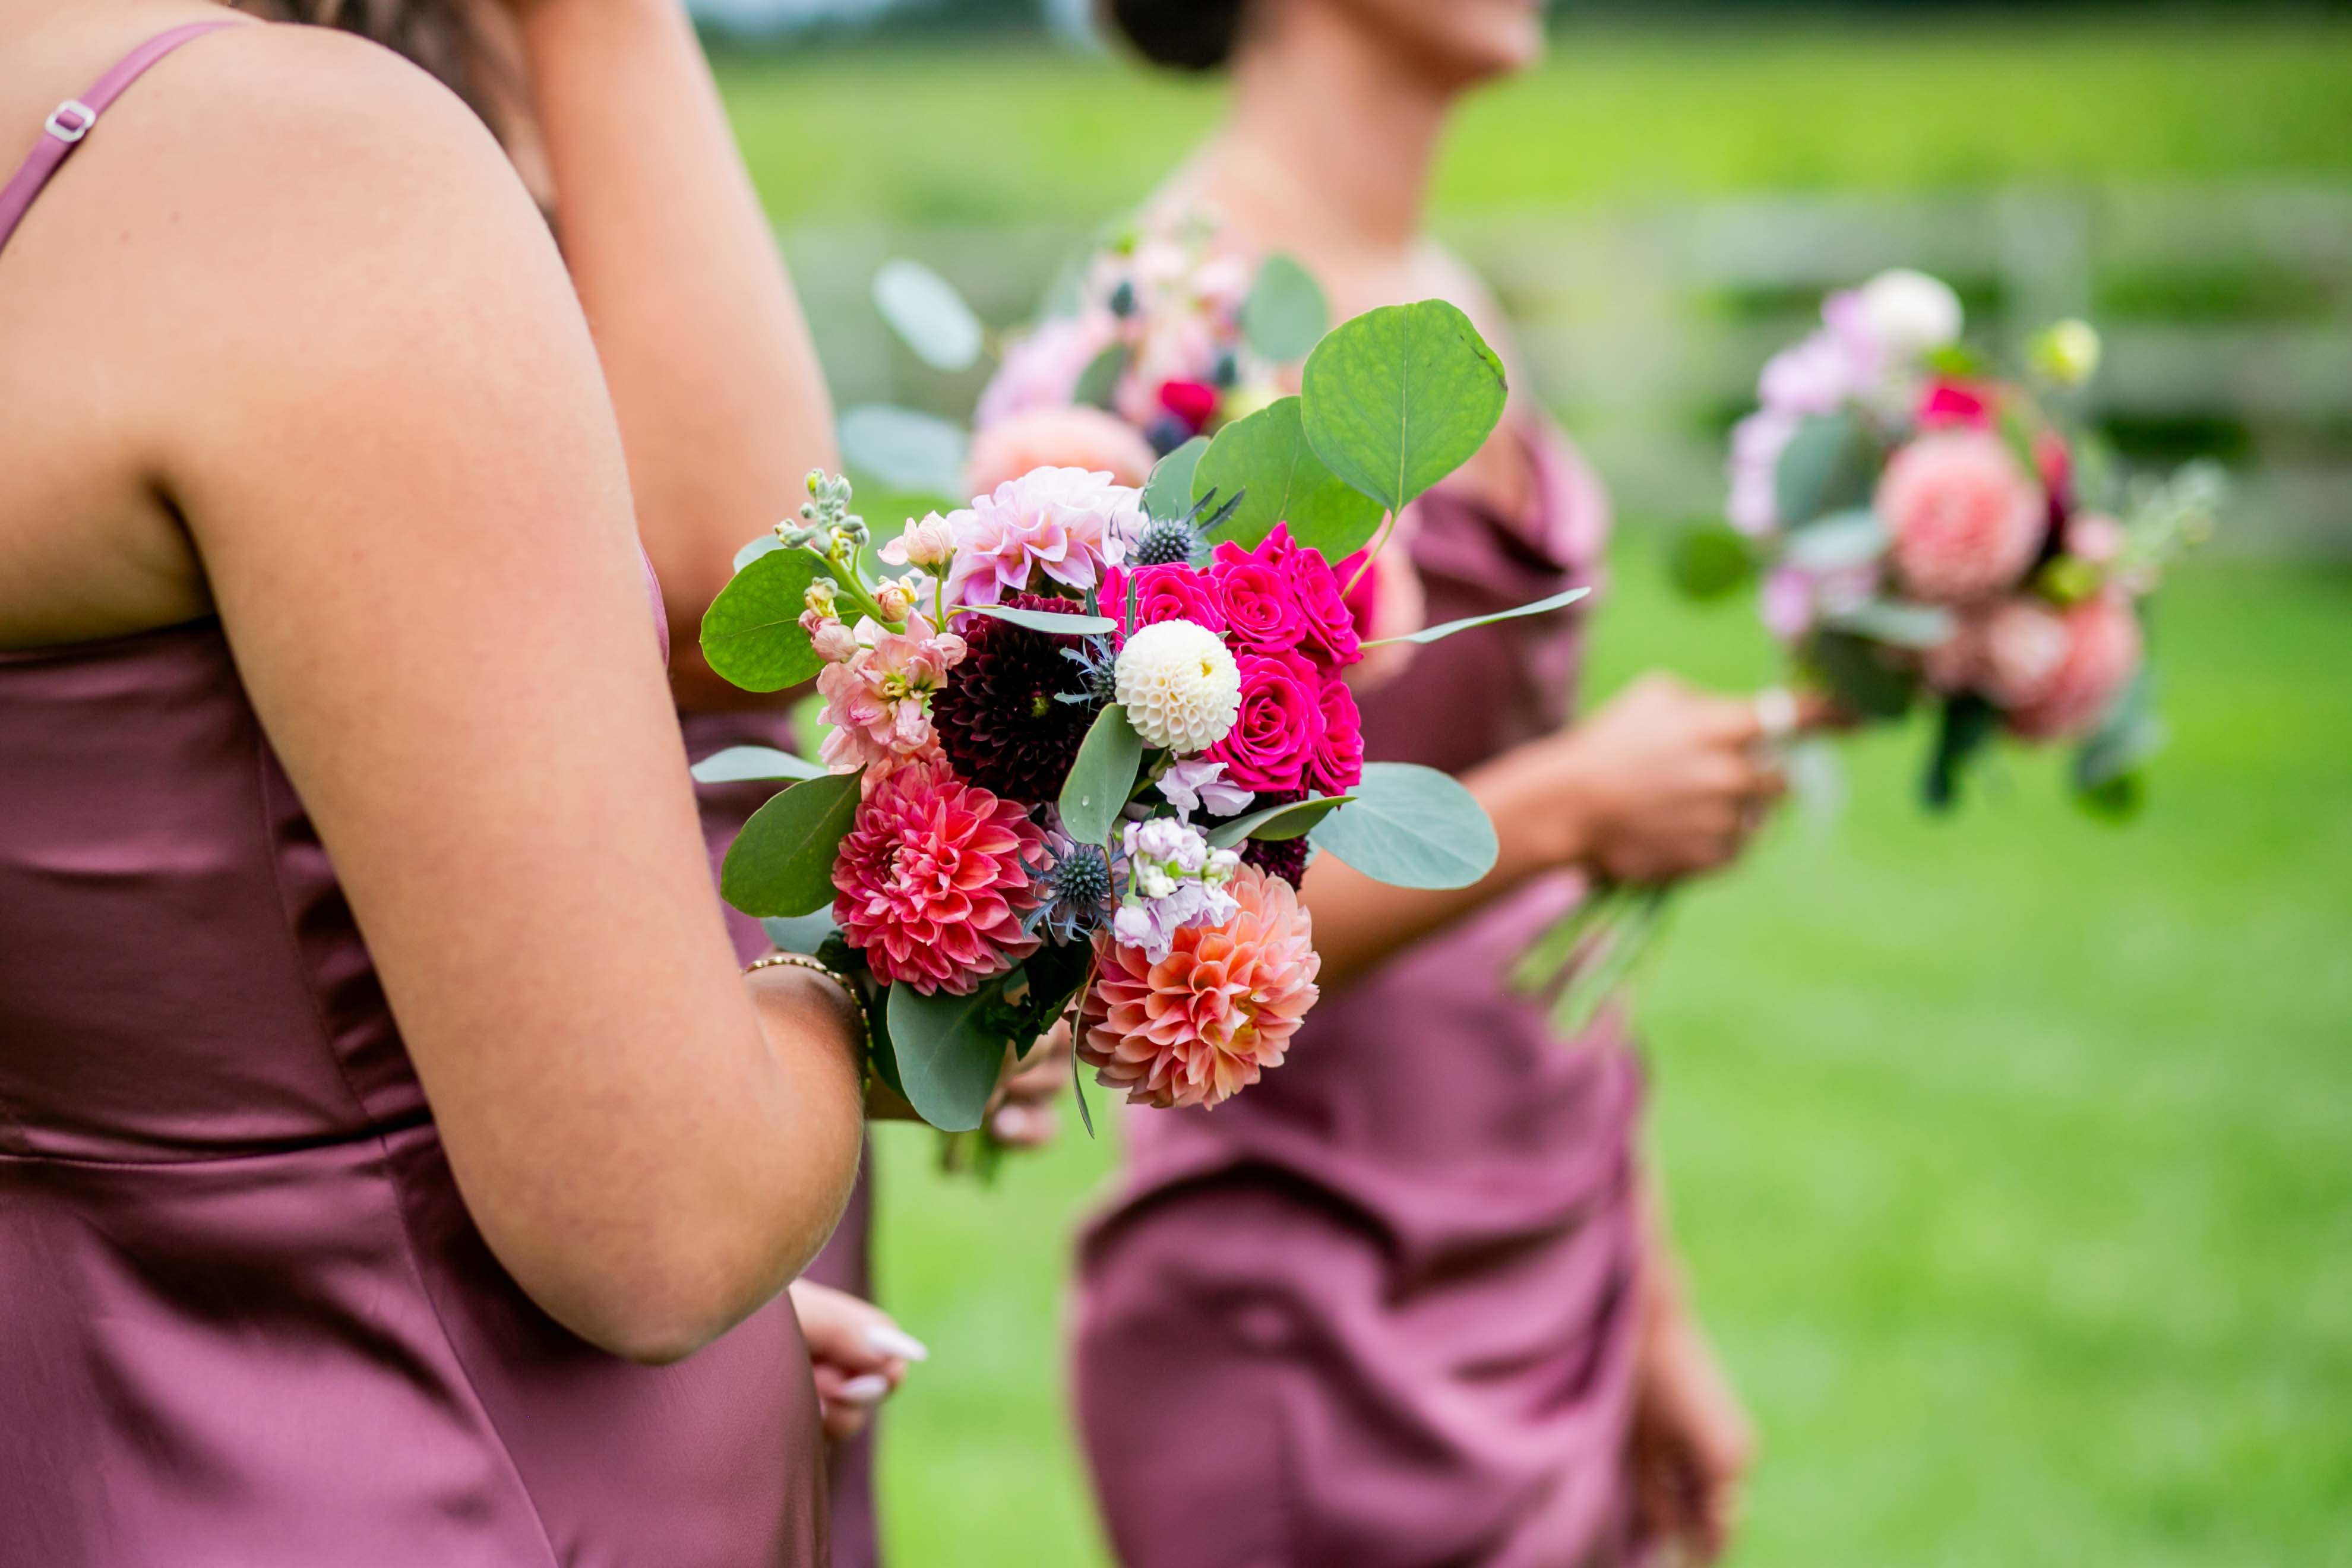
[
  {"x": 1412, "y": 828},
  {"x": 1830, "y": 465},
  {"x": 1285, "y": 315},
  {"x": 752, "y": 634},
  {"x": 781, "y": 863},
  {"x": 1851, "y": 538},
  {"x": 905, "y": 449},
  {"x": 924, "y": 310},
  {"x": 1102, "y": 778},
  {"x": 1400, "y": 397},
  {"x": 1277, "y": 824},
  {"x": 947, "y": 1052},
  {"x": 1169, "y": 494},
  {"x": 744, "y": 765},
  {"x": 1264, "y": 461}
]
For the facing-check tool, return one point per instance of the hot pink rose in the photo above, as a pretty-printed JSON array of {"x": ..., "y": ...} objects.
[
  {"x": 1170, "y": 591},
  {"x": 1279, "y": 726},
  {"x": 1336, "y": 764},
  {"x": 1194, "y": 401},
  {"x": 2103, "y": 653},
  {"x": 1949, "y": 404},
  {"x": 1324, "y": 614},
  {"x": 1261, "y": 611},
  {"x": 1966, "y": 520}
]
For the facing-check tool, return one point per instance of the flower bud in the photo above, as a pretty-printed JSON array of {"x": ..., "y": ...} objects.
[
  {"x": 924, "y": 542},
  {"x": 835, "y": 642},
  {"x": 2068, "y": 353},
  {"x": 894, "y": 601}
]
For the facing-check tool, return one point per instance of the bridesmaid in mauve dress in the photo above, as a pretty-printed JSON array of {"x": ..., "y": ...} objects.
[
  {"x": 611, "y": 116},
  {"x": 324, "y": 1247},
  {"x": 1402, "y": 1303}
]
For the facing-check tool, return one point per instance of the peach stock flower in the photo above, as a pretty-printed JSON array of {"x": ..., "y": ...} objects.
[
  {"x": 1966, "y": 518},
  {"x": 1202, "y": 1023},
  {"x": 878, "y": 697}
]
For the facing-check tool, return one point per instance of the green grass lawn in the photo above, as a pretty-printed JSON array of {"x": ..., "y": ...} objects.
[
  {"x": 2012, "y": 1154},
  {"x": 1618, "y": 115}
]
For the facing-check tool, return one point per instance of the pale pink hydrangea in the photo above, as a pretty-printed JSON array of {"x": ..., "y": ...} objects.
[
  {"x": 1966, "y": 520},
  {"x": 1063, "y": 524},
  {"x": 878, "y": 697},
  {"x": 1201, "y": 1022},
  {"x": 1069, "y": 437}
]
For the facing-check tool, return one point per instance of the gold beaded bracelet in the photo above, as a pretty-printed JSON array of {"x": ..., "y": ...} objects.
[{"x": 817, "y": 967}]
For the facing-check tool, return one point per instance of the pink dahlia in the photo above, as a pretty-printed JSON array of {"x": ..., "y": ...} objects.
[
  {"x": 934, "y": 880},
  {"x": 1966, "y": 520},
  {"x": 1065, "y": 524},
  {"x": 1074, "y": 436},
  {"x": 1201, "y": 1025},
  {"x": 2103, "y": 653}
]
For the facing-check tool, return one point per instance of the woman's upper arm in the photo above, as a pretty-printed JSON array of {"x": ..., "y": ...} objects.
[{"x": 387, "y": 433}]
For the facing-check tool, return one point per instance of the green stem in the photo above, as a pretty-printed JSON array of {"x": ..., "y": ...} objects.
[{"x": 1380, "y": 542}]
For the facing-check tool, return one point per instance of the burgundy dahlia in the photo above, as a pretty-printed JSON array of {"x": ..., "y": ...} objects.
[{"x": 1001, "y": 720}]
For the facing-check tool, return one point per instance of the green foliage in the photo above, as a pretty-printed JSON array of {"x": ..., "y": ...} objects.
[
  {"x": 1265, "y": 462},
  {"x": 905, "y": 448},
  {"x": 1967, "y": 724},
  {"x": 744, "y": 765},
  {"x": 1840, "y": 540},
  {"x": 1542, "y": 606},
  {"x": 1857, "y": 674},
  {"x": 1892, "y": 622},
  {"x": 1285, "y": 314},
  {"x": 2105, "y": 772},
  {"x": 752, "y": 634},
  {"x": 925, "y": 311},
  {"x": 1412, "y": 828},
  {"x": 1098, "y": 383},
  {"x": 1057, "y": 622},
  {"x": 1169, "y": 492},
  {"x": 1277, "y": 824},
  {"x": 947, "y": 1051},
  {"x": 1829, "y": 467},
  {"x": 1400, "y": 397},
  {"x": 1102, "y": 778},
  {"x": 781, "y": 863}
]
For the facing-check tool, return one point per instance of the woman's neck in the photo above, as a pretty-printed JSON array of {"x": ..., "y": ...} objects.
[{"x": 1333, "y": 136}]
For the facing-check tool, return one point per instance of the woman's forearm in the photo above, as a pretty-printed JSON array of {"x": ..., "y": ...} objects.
[{"x": 723, "y": 405}]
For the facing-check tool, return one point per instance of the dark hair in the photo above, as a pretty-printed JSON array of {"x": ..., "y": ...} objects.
[
  {"x": 434, "y": 34},
  {"x": 1183, "y": 35}
]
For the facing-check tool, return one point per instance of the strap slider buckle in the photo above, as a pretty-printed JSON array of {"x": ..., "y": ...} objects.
[{"x": 71, "y": 121}]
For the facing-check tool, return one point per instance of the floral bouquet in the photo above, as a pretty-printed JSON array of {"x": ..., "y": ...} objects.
[
  {"x": 1084, "y": 738},
  {"x": 1928, "y": 534}
]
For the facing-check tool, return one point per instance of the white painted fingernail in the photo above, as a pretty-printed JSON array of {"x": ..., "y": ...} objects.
[
  {"x": 892, "y": 1339},
  {"x": 871, "y": 1389},
  {"x": 1010, "y": 1122}
]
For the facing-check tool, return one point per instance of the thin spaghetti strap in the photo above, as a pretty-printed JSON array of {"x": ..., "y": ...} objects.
[{"x": 71, "y": 121}]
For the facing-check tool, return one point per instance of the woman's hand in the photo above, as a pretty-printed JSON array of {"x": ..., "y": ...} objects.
[
  {"x": 857, "y": 1354},
  {"x": 1691, "y": 1443},
  {"x": 1663, "y": 783}
]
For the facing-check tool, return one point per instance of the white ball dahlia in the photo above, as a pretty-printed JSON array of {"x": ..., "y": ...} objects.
[
  {"x": 1911, "y": 312},
  {"x": 1180, "y": 687}
]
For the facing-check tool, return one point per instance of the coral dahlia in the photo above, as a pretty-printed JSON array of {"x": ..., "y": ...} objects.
[
  {"x": 1203, "y": 1023},
  {"x": 934, "y": 880}
]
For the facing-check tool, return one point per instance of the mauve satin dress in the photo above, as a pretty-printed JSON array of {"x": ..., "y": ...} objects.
[
  {"x": 845, "y": 1264},
  {"x": 245, "y": 1320},
  {"x": 1379, "y": 1310}
]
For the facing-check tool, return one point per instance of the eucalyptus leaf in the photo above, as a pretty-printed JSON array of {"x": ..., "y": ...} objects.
[
  {"x": 1897, "y": 625},
  {"x": 1073, "y": 625},
  {"x": 948, "y": 1053},
  {"x": 1440, "y": 633},
  {"x": 739, "y": 764},
  {"x": 799, "y": 934},
  {"x": 2127, "y": 738},
  {"x": 1292, "y": 819},
  {"x": 781, "y": 863},
  {"x": 924, "y": 310},
  {"x": 1265, "y": 462},
  {"x": 904, "y": 448},
  {"x": 752, "y": 634},
  {"x": 1859, "y": 675},
  {"x": 1285, "y": 314},
  {"x": 1400, "y": 397},
  {"x": 766, "y": 544},
  {"x": 1832, "y": 543},
  {"x": 1966, "y": 726},
  {"x": 1169, "y": 495},
  {"x": 1412, "y": 828},
  {"x": 1098, "y": 383},
  {"x": 1102, "y": 778},
  {"x": 1831, "y": 465}
]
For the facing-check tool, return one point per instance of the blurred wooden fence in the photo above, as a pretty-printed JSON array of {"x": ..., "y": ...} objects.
[{"x": 2227, "y": 315}]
